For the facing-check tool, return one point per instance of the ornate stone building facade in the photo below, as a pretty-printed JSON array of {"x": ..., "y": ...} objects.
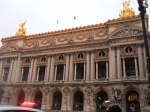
[{"x": 65, "y": 70}]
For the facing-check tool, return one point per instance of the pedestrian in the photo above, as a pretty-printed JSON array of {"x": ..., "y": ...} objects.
[
  {"x": 115, "y": 108},
  {"x": 106, "y": 104}
]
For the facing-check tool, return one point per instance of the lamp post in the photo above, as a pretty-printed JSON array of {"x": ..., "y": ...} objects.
[{"x": 142, "y": 8}]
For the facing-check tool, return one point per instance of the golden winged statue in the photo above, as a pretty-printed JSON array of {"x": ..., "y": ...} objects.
[
  {"x": 21, "y": 31},
  {"x": 126, "y": 12}
]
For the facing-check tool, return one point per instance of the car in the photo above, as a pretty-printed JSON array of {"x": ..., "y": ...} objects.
[{"x": 11, "y": 108}]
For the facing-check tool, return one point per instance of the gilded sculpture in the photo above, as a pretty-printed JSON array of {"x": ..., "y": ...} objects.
[
  {"x": 22, "y": 30},
  {"x": 126, "y": 12}
]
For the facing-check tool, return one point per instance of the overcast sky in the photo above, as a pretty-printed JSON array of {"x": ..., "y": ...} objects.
[{"x": 42, "y": 15}]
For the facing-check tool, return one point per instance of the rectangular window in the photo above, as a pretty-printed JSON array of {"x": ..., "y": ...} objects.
[
  {"x": 5, "y": 74},
  {"x": 42, "y": 70}
]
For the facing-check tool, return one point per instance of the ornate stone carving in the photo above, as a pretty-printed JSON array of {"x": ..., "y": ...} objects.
[
  {"x": 46, "y": 91},
  {"x": 89, "y": 91},
  {"x": 70, "y": 40},
  {"x": 45, "y": 41},
  {"x": 126, "y": 12},
  {"x": 146, "y": 94},
  {"x": 8, "y": 48},
  {"x": 33, "y": 43},
  {"x": 90, "y": 36},
  {"x": 101, "y": 33},
  {"x": 117, "y": 93},
  {"x": 62, "y": 39},
  {"x": 66, "y": 90},
  {"x": 80, "y": 37},
  {"x": 28, "y": 90},
  {"x": 126, "y": 32}
]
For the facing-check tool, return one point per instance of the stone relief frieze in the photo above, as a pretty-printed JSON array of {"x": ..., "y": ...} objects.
[
  {"x": 90, "y": 36},
  {"x": 117, "y": 93},
  {"x": 45, "y": 41},
  {"x": 62, "y": 39},
  {"x": 8, "y": 49},
  {"x": 52, "y": 41},
  {"x": 146, "y": 95},
  {"x": 80, "y": 37},
  {"x": 28, "y": 90},
  {"x": 32, "y": 43},
  {"x": 126, "y": 32}
]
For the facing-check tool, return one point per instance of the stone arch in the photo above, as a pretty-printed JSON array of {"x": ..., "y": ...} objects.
[
  {"x": 57, "y": 100},
  {"x": 9, "y": 48},
  {"x": 38, "y": 99},
  {"x": 125, "y": 31},
  {"x": 78, "y": 100},
  {"x": 19, "y": 96},
  {"x": 126, "y": 93}
]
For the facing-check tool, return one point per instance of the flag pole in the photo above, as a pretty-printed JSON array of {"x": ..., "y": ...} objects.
[{"x": 56, "y": 24}]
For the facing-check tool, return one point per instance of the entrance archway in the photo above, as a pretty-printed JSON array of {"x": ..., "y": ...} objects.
[
  {"x": 99, "y": 98},
  {"x": 38, "y": 100},
  {"x": 57, "y": 99},
  {"x": 78, "y": 101},
  {"x": 132, "y": 101},
  {"x": 21, "y": 97}
]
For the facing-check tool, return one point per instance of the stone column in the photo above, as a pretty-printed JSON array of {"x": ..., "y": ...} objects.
[
  {"x": 55, "y": 72},
  {"x": 14, "y": 71},
  {"x": 84, "y": 71},
  {"x": 37, "y": 74},
  {"x": 52, "y": 69},
  {"x": 145, "y": 63},
  {"x": 67, "y": 68},
  {"x": 119, "y": 73},
  {"x": 64, "y": 71},
  {"x": 92, "y": 66},
  {"x": 107, "y": 69},
  {"x": 22, "y": 70},
  {"x": 136, "y": 67},
  {"x": 1, "y": 62},
  {"x": 34, "y": 70},
  {"x": 10, "y": 71},
  {"x": 75, "y": 69},
  {"x": 71, "y": 68},
  {"x": 124, "y": 69},
  {"x": 96, "y": 70},
  {"x": 113, "y": 64},
  {"x": 31, "y": 70},
  {"x": 48, "y": 70},
  {"x": 88, "y": 66},
  {"x": 18, "y": 69},
  {"x": 140, "y": 60},
  {"x": 2, "y": 74}
]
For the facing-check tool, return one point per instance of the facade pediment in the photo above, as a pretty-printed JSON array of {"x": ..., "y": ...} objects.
[
  {"x": 125, "y": 32},
  {"x": 8, "y": 48}
]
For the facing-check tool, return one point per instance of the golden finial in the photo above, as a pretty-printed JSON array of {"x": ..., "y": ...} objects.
[
  {"x": 21, "y": 31},
  {"x": 126, "y": 12}
]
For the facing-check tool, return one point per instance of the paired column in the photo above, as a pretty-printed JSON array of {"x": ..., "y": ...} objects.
[
  {"x": 47, "y": 70},
  {"x": 52, "y": 69},
  {"x": 124, "y": 69},
  {"x": 136, "y": 67},
  {"x": 34, "y": 70},
  {"x": 55, "y": 72},
  {"x": 119, "y": 72},
  {"x": 10, "y": 71},
  {"x": 88, "y": 66},
  {"x": 140, "y": 60},
  {"x": 71, "y": 68},
  {"x": 31, "y": 70},
  {"x": 18, "y": 69},
  {"x": 75, "y": 69},
  {"x": 92, "y": 66},
  {"x": 96, "y": 70},
  {"x": 67, "y": 68}
]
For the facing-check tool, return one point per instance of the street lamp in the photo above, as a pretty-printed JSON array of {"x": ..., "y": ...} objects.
[{"x": 142, "y": 8}]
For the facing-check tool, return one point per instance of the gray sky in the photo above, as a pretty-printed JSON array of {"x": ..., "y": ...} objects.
[{"x": 42, "y": 15}]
